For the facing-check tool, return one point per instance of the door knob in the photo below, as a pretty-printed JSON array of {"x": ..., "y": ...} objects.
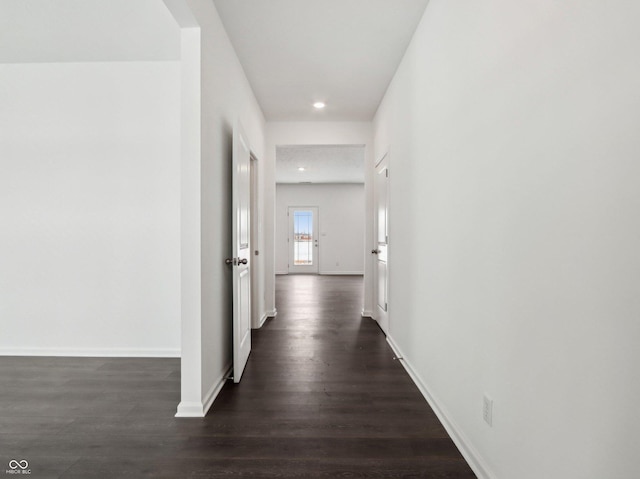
[
  {"x": 374, "y": 251},
  {"x": 229, "y": 261},
  {"x": 242, "y": 261}
]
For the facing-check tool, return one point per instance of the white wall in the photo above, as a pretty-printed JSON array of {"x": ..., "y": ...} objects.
[
  {"x": 513, "y": 132},
  {"x": 312, "y": 133},
  {"x": 341, "y": 221},
  {"x": 89, "y": 201},
  {"x": 226, "y": 97},
  {"x": 51, "y": 31}
]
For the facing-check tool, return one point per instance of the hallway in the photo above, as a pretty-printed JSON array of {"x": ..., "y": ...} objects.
[{"x": 323, "y": 397}]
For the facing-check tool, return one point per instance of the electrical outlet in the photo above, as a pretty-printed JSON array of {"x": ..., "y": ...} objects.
[{"x": 487, "y": 410}]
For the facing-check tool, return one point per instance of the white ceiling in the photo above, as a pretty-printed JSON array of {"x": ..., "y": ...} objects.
[
  {"x": 322, "y": 164},
  {"x": 294, "y": 52},
  {"x": 87, "y": 30},
  {"x": 343, "y": 52}
]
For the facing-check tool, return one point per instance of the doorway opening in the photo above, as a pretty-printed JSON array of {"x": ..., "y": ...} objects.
[{"x": 321, "y": 216}]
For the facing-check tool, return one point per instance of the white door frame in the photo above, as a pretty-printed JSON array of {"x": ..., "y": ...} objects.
[
  {"x": 313, "y": 268},
  {"x": 381, "y": 244},
  {"x": 257, "y": 318}
]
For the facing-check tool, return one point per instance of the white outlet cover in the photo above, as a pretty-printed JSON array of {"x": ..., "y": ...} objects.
[{"x": 487, "y": 410}]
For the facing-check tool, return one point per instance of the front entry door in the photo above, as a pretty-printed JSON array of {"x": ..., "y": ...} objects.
[
  {"x": 303, "y": 240},
  {"x": 381, "y": 248},
  {"x": 241, "y": 234}
]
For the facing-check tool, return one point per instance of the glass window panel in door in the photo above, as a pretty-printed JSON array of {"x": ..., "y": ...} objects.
[{"x": 303, "y": 238}]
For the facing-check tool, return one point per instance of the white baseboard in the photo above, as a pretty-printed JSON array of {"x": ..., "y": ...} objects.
[
  {"x": 366, "y": 314},
  {"x": 258, "y": 324},
  {"x": 200, "y": 409},
  {"x": 262, "y": 320},
  {"x": 477, "y": 464},
  {"x": 342, "y": 273},
  {"x": 326, "y": 273},
  {"x": 212, "y": 394},
  {"x": 190, "y": 409},
  {"x": 92, "y": 352}
]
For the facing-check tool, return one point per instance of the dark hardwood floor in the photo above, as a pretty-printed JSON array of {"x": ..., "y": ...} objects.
[{"x": 321, "y": 397}]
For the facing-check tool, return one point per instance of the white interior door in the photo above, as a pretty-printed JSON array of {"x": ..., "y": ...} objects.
[
  {"x": 303, "y": 240},
  {"x": 241, "y": 227},
  {"x": 381, "y": 248}
]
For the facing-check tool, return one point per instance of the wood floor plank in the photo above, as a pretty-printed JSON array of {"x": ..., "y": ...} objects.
[{"x": 321, "y": 397}]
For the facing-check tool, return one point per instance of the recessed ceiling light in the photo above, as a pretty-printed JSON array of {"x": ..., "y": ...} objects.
[
  {"x": 319, "y": 105},
  {"x": 302, "y": 168}
]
